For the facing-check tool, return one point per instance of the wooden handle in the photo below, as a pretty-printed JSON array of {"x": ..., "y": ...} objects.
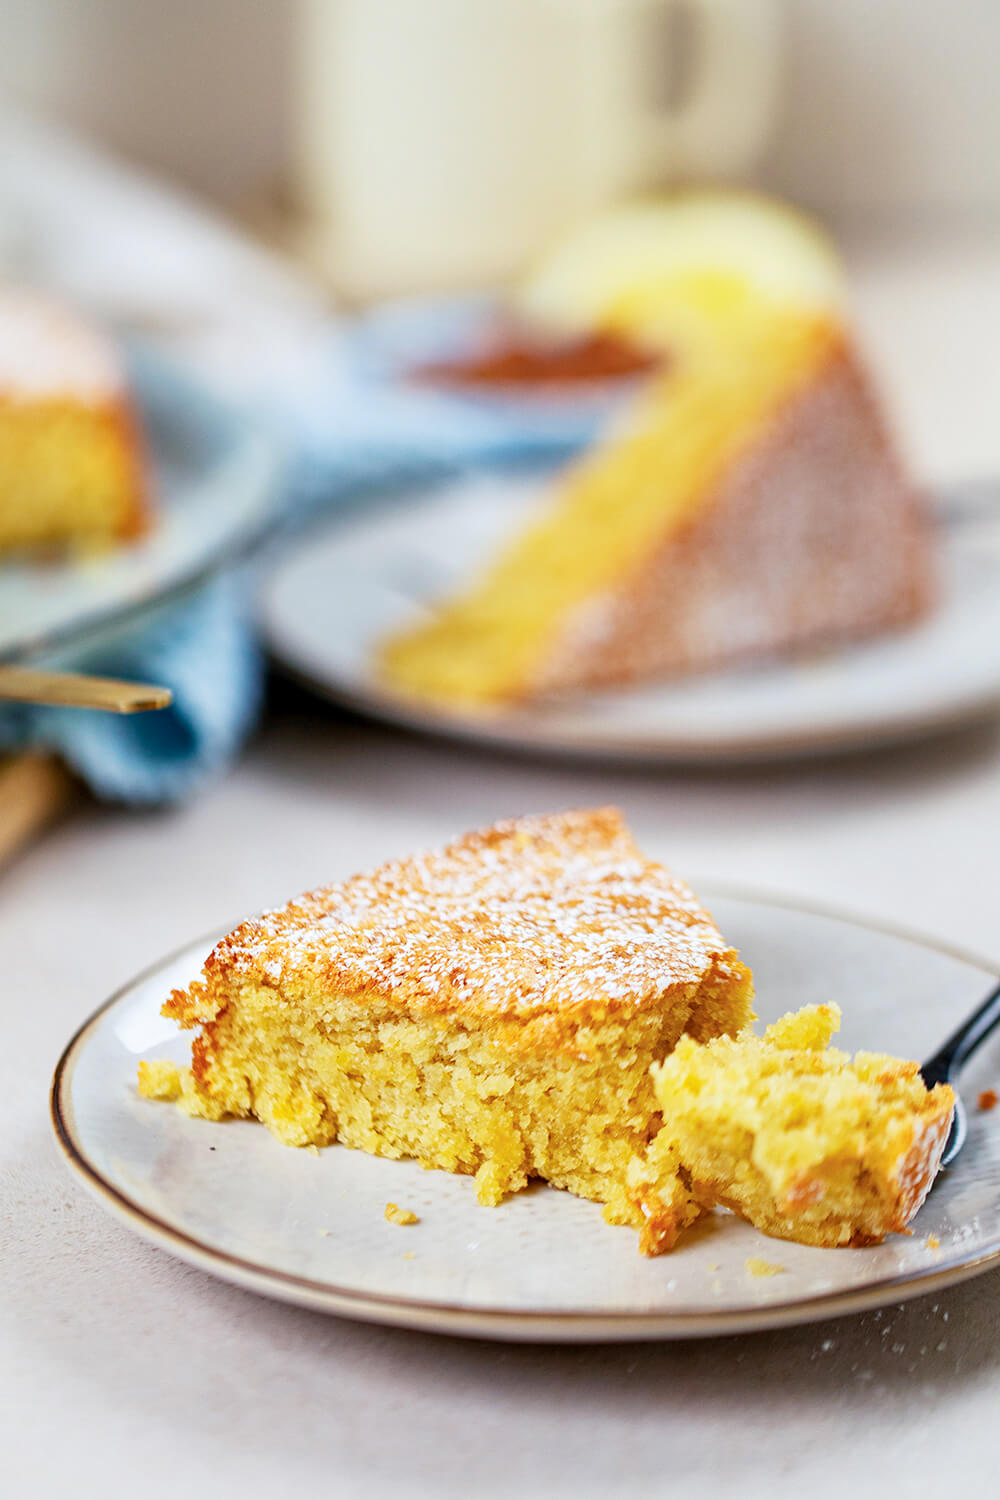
[
  {"x": 34, "y": 790},
  {"x": 74, "y": 690}
]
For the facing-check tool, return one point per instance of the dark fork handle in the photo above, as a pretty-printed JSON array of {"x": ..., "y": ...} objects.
[{"x": 952, "y": 1056}]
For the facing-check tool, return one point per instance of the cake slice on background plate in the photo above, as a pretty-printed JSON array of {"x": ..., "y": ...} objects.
[
  {"x": 71, "y": 466},
  {"x": 491, "y": 1008},
  {"x": 749, "y": 505},
  {"x": 805, "y": 1143}
]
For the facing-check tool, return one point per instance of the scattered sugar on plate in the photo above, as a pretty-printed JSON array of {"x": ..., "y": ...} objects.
[{"x": 396, "y": 1215}]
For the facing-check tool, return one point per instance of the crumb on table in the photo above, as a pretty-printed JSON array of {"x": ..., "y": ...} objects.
[
  {"x": 757, "y": 1267},
  {"x": 396, "y": 1215},
  {"x": 932, "y": 1242},
  {"x": 988, "y": 1099}
]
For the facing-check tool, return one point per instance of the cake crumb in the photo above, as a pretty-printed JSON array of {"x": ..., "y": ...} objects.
[
  {"x": 988, "y": 1099},
  {"x": 757, "y": 1267},
  {"x": 160, "y": 1079},
  {"x": 408, "y": 1255},
  {"x": 323, "y": 1233},
  {"x": 313, "y": 1150},
  {"x": 396, "y": 1215},
  {"x": 932, "y": 1242}
]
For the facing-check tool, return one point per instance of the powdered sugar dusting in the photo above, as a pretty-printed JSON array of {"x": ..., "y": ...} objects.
[
  {"x": 45, "y": 351},
  {"x": 813, "y": 535},
  {"x": 546, "y": 914}
]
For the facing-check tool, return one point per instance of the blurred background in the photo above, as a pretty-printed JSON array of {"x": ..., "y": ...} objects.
[
  {"x": 248, "y": 188},
  {"x": 886, "y": 115}
]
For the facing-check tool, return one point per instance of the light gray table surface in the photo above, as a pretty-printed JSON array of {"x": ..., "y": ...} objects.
[{"x": 123, "y": 1372}]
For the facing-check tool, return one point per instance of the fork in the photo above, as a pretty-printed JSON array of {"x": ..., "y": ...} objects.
[
  {"x": 77, "y": 690},
  {"x": 951, "y": 1057}
]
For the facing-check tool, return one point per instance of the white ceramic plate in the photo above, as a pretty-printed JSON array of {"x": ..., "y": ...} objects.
[
  {"x": 311, "y": 1229},
  {"x": 332, "y": 598},
  {"x": 214, "y": 480}
]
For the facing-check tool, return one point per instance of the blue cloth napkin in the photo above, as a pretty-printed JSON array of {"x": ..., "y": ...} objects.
[
  {"x": 204, "y": 649},
  {"x": 356, "y": 424},
  {"x": 358, "y": 420}
]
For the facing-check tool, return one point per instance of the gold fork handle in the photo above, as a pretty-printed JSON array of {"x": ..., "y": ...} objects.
[{"x": 75, "y": 690}]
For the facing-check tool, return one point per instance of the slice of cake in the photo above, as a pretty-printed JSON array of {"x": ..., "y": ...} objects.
[
  {"x": 802, "y": 1141},
  {"x": 750, "y": 504},
  {"x": 492, "y": 1008},
  {"x": 70, "y": 464},
  {"x": 752, "y": 507}
]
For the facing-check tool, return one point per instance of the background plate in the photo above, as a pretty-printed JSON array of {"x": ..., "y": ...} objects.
[
  {"x": 215, "y": 491},
  {"x": 332, "y": 598},
  {"x": 228, "y": 1198}
]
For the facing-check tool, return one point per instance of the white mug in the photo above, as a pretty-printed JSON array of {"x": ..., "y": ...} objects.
[{"x": 443, "y": 142}]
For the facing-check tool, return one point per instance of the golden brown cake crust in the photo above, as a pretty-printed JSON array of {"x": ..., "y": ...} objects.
[
  {"x": 557, "y": 919},
  {"x": 918, "y": 1167},
  {"x": 123, "y": 417}
]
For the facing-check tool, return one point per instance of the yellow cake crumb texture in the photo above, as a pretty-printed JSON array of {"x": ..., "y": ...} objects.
[
  {"x": 803, "y": 1141},
  {"x": 755, "y": 1266},
  {"x": 810, "y": 1029},
  {"x": 161, "y": 1079},
  {"x": 396, "y": 1215},
  {"x": 493, "y": 1008},
  {"x": 70, "y": 463}
]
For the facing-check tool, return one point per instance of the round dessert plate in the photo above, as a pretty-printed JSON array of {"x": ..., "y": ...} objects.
[
  {"x": 214, "y": 477},
  {"x": 338, "y": 593},
  {"x": 310, "y": 1228}
]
